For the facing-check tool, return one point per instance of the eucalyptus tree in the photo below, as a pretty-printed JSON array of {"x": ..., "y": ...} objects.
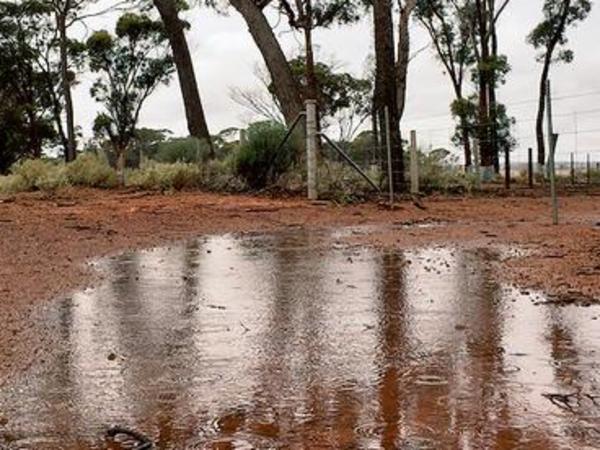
[
  {"x": 285, "y": 86},
  {"x": 66, "y": 14},
  {"x": 175, "y": 27},
  {"x": 550, "y": 39},
  {"x": 27, "y": 86},
  {"x": 391, "y": 69},
  {"x": 450, "y": 34},
  {"x": 131, "y": 64},
  {"x": 490, "y": 71},
  {"x": 309, "y": 15}
]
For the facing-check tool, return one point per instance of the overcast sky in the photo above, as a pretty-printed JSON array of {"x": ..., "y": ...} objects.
[{"x": 225, "y": 56}]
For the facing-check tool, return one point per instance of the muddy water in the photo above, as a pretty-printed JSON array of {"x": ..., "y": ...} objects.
[{"x": 292, "y": 340}]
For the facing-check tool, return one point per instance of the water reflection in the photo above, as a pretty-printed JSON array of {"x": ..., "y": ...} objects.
[{"x": 293, "y": 340}]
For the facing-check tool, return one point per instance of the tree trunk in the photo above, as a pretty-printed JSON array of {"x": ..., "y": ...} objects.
[
  {"x": 121, "y": 153},
  {"x": 539, "y": 122},
  {"x": 71, "y": 148},
  {"x": 403, "y": 55},
  {"x": 287, "y": 90},
  {"x": 194, "y": 112},
  {"x": 386, "y": 91},
  {"x": 492, "y": 96},
  {"x": 486, "y": 151},
  {"x": 466, "y": 143}
]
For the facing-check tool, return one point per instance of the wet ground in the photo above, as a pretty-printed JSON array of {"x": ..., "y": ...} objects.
[{"x": 295, "y": 340}]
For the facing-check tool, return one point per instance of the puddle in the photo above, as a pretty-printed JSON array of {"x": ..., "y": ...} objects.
[{"x": 293, "y": 340}]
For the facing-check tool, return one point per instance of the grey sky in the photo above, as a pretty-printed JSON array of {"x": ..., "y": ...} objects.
[{"x": 225, "y": 56}]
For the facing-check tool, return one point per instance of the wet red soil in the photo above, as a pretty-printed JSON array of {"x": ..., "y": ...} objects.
[{"x": 45, "y": 242}]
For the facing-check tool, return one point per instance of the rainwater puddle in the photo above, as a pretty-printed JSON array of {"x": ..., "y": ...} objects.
[{"x": 293, "y": 340}]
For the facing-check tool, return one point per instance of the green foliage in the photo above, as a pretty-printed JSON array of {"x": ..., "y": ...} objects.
[
  {"x": 550, "y": 33},
  {"x": 253, "y": 162},
  {"x": 186, "y": 150},
  {"x": 338, "y": 90},
  {"x": 363, "y": 147},
  {"x": 494, "y": 69},
  {"x": 11, "y": 184},
  {"x": 466, "y": 110},
  {"x": 323, "y": 13},
  {"x": 440, "y": 172},
  {"x": 164, "y": 177},
  {"x": 342, "y": 183},
  {"x": 446, "y": 21},
  {"x": 90, "y": 170},
  {"x": 131, "y": 65},
  {"x": 38, "y": 174},
  {"x": 28, "y": 80}
]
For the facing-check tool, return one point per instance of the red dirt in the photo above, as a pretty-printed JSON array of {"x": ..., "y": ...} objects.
[{"x": 46, "y": 240}]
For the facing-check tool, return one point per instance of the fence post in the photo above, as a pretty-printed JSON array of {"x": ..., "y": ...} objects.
[
  {"x": 388, "y": 142},
  {"x": 588, "y": 168},
  {"x": 572, "y": 168},
  {"x": 414, "y": 163},
  {"x": 311, "y": 149},
  {"x": 476, "y": 161},
  {"x": 530, "y": 166}
]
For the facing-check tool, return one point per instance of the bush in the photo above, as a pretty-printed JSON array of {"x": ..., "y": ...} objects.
[
  {"x": 184, "y": 150},
  {"x": 254, "y": 158},
  {"x": 91, "y": 170},
  {"x": 158, "y": 176},
  {"x": 439, "y": 172},
  {"x": 341, "y": 182},
  {"x": 38, "y": 174},
  {"x": 11, "y": 184}
]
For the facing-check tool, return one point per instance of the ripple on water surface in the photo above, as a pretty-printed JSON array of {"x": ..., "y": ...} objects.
[{"x": 293, "y": 340}]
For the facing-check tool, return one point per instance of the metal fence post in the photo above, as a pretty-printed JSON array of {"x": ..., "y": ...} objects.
[
  {"x": 414, "y": 163},
  {"x": 311, "y": 149}
]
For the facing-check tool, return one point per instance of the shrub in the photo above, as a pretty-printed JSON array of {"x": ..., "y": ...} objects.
[
  {"x": 438, "y": 171},
  {"x": 158, "y": 176},
  {"x": 185, "y": 150},
  {"x": 341, "y": 182},
  {"x": 91, "y": 170},
  {"x": 256, "y": 162},
  {"x": 38, "y": 174},
  {"x": 10, "y": 184}
]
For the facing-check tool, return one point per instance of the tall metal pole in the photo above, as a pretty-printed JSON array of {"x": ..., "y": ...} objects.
[
  {"x": 388, "y": 143},
  {"x": 572, "y": 168},
  {"x": 553, "y": 138},
  {"x": 414, "y": 164},
  {"x": 311, "y": 149}
]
